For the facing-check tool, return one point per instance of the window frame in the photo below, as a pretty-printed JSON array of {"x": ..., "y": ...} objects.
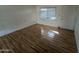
[{"x": 47, "y": 8}]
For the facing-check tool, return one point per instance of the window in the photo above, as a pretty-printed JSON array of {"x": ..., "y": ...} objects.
[{"x": 48, "y": 13}]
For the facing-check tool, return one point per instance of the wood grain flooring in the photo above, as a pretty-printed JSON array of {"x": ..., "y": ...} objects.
[{"x": 39, "y": 39}]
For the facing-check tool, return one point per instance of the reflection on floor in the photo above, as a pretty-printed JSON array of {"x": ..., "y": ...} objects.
[
  {"x": 39, "y": 38},
  {"x": 48, "y": 34}
]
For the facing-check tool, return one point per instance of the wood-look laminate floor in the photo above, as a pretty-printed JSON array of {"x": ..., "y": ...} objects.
[{"x": 39, "y": 38}]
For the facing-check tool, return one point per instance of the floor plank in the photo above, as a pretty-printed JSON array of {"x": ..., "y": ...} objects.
[{"x": 39, "y": 38}]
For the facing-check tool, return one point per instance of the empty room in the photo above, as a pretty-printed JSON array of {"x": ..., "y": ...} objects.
[{"x": 39, "y": 29}]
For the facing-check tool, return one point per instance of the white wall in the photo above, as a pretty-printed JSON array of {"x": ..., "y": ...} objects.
[
  {"x": 64, "y": 17},
  {"x": 77, "y": 28},
  {"x": 13, "y": 18}
]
